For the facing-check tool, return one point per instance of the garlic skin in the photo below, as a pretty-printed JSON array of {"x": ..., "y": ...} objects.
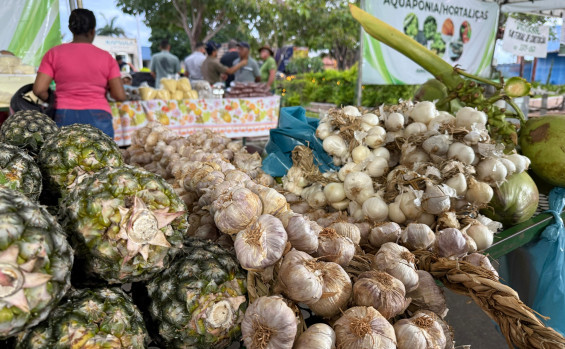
[
  {"x": 398, "y": 262},
  {"x": 437, "y": 198},
  {"x": 336, "y": 284},
  {"x": 394, "y": 122},
  {"x": 376, "y": 137},
  {"x": 335, "y": 248},
  {"x": 349, "y": 230},
  {"x": 375, "y": 209},
  {"x": 358, "y": 186},
  {"x": 480, "y": 260},
  {"x": 381, "y": 291},
  {"x": 300, "y": 277},
  {"x": 303, "y": 233},
  {"x": 269, "y": 323},
  {"x": 421, "y": 331},
  {"x": 424, "y": 112},
  {"x": 387, "y": 232},
  {"x": 360, "y": 153},
  {"x": 451, "y": 243},
  {"x": 236, "y": 210},
  {"x": 458, "y": 183},
  {"x": 261, "y": 244},
  {"x": 335, "y": 145},
  {"x": 437, "y": 145},
  {"x": 482, "y": 235},
  {"x": 417, "y": 236},
  {"x": 364, "y": 328},
  {"x": 428, "y": 295},
  {"x": 334, "y": 192},
  {"x": 273, "y": 202},
  {"x": 317, "y": 336},
  {"x": 478, "y": 193},
  {"x": 461, "y": 152}
]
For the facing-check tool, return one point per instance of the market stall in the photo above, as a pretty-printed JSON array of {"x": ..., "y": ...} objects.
[{"x": 234, "y": 117}]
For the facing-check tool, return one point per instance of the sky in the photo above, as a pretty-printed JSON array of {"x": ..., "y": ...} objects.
[{"x": 109, "y": 9}]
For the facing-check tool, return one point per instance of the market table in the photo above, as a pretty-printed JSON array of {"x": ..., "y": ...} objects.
[{"x": 235, "y": 117}]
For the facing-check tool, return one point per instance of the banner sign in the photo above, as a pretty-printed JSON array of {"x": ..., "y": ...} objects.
[
  {"x": 523, "y": 39},
  {"x": 462, "y": 32}
]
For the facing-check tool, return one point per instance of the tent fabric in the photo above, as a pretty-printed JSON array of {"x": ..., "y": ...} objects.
[{"x": 546, "y": 7}]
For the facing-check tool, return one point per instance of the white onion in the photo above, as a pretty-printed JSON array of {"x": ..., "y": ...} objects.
[
  {"x": 375, "y": 208},
  {"x": 335, "y": 145},
  {"x": 424, "y": 112},
  {"x": 377, "y": 167},
  {"x": 334, "y": 192},
  {"x": 394, "y": 122},
  {"x": 461, "y": 152}
]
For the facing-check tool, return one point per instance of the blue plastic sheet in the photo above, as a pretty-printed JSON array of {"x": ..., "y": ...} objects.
[
  {"x": 537, "y": 270},
  {"x": 294, "y": 129}
]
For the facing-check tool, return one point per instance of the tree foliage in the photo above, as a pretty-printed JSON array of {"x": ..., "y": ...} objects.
[{"x": 110, "y": 28}]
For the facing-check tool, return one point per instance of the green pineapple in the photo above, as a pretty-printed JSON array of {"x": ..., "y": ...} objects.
[
  {"x": 28, "y": 129},
  {"x": 19, "y": 171},
  {"x": 35, "y": 263},
  {"x": 199, "y": 301},
  {"x": 90, "y": 319},
  {"x": 77, "y": 150},
  {"x": 128, "y": 222}
]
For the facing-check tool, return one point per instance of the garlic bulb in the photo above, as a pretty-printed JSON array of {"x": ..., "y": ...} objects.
[
  {"x": 398, "y": 262},
  {"x": 424, "y": 112},
  {"x": 237, "y": 176},
  {"x": 428, "y": 295},
  {"x": 323, "y": 130},
  {"x": 417, "y": 236},
  {"x": 387, "y": 232},
  {"x": 355, "y": 211},
  {"x": 303, "y": 233},
  {"x": 468, "y": 118},
  {"x": 478, "y": 193},
  {"x": 375, "y": 209},
  {"x": 335, "y": 248},
  {"x": 364, "y": 328},
  {"x": 395, "y": 214},
  {"x": 482, "y": 235},
  {"x": 414, "y": 129},
  {"x": 335, "y": 145},
  {"x": 364, "y": 231},
  {"x": 377, "y": 167},
  {"x": 336, "y": 290},
  {"x": 480, "y": 260},
  {"x": 521, "y": 162},
  {"x": 451, "y": 243},
  {"x": 273, "y": 202},
  {"x": 459, "y": 183},
  {"x": 376, "y": 137},
  {"x": 447, "y": 330},
  {"x": 437, "y": 145},
  {"x": 317, "y": 336},
  {"x": 381, "y": 291},
  {"x": 394, "y": 122},
  {"x": 360, "y": 153},
  {"x": 261, "y": 244},
  {"x": 347, "y": 169},
  {"x": 340, "y": 205},
  {"x": 437, "y": 198},
  {"x": 461, "y": 152},
  {"x": 334, "y": 192},
  {"x": 300, "y": 277},
  {"x": 370, "y": 119},
  {"x": 510, "y": 167},
  {"x": 491, "y": 171},
  {"x": 349, "y": 230},
  {"x": 316, "y": 197},
  {"x": 351, "y": 110},
  {"x": 421, "y": 331},
  {"x": 269, "y": 323},
  {"x": 236, "y": 210},
  {"x": 382, "y": 152},
  {"x": 408, "y": 204}
]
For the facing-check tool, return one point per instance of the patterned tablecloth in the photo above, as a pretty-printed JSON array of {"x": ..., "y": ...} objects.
[{"x": 235, "y": 117}]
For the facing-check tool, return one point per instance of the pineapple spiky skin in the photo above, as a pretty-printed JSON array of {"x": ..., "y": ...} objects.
[
  {"x": 35, "y": 263},
  {"x": 129, "y": 223},
  {"x": 97, "y": 318},
  {"x": 75, "y": 151},
  {"x": 28, "y": 129},
  {"x": 18, "y": 171},
  {"x": 200, "y": 300}
]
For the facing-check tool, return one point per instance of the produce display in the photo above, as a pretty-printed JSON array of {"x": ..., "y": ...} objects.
[
  {"x": 170, "y": 89},
  {"x": 248, "y": 89}
]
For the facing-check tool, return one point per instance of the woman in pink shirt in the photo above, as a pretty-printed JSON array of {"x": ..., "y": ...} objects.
[{"x": 83, "y": 74}]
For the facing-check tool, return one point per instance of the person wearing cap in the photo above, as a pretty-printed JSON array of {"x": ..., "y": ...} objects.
[
  {"x": 212, "y": 69},
  {"x": 250, "y": 72},
  {"x": 229, "y": 57},
  {"x": 193, "y": 62},
  {"x": 269, "y": 68}
]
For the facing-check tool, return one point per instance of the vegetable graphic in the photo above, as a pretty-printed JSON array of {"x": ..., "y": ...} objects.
[
  {"x": 465, "y": 32},
  {"x": 411, "y": 25},
  {"x": 430, "y": 27}
]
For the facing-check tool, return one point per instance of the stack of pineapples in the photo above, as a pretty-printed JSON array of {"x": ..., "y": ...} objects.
[{"x": 78, "y": 227}]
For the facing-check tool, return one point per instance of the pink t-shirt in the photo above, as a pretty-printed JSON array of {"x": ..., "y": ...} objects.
[{"x": 81, "y": 72}]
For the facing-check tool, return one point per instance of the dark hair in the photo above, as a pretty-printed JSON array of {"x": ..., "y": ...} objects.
[
  {"x": 199, "y": 45},
  {"x": 164, "y": 43},
  {"x": 81, "y": 21},
  {"x": 119, "y": 58}
]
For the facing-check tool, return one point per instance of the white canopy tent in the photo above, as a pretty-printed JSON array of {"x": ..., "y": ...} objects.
[{"x": 554, "y": 8}]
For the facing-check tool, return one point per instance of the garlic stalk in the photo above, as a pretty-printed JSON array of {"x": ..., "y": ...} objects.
[
  {"x": 417, "y": 236},
  {"x": 336, "y": 291},
  {"x": 317, "y": 336},
  {"x": 387, "y": 232},
  {"x": 261, "y": 244},
  {"x": 381, "y": 291},
  {"x": 300, "y": 277},
  {"x": 398, "y": 262},
  {"x": 428, "y": 295},
  {"x": 364, "y": 328},
  {"x": 421, "y": 331},
  {"x": 335, "y": 248},
  {"x": 269, "y": 323}
]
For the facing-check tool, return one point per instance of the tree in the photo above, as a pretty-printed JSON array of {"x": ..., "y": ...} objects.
[
  {"x": 110, "y": 29},
  {"x": 201, "y": 20}
]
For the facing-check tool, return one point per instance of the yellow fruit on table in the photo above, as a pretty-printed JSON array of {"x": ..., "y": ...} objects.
[
  {"x": 164, "y": 119},
  {"x": 226, "y": 117}
]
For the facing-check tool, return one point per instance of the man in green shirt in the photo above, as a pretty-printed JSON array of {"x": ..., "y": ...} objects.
[
  {"x": 212, "y": 70},
  {"x": 269, "y": 67},
  {"x": 164, "y": 63}
]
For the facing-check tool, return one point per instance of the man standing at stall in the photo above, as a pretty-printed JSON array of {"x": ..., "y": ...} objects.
[
  {"x": 250, "y": 72},
  {"x": 229, "y": 57},
  {"x": 212, "y": 69},
  {"x": 193, "y": 63},
  {"x": 164, "y": 63}
]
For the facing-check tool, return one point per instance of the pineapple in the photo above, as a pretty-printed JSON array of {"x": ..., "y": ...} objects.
[
  {"x": 98, "y": 318},
  {"x": 19, "y": 171},
  {"x": 35, "y": 263},
  {"x": 28, "y": 129},
  {"x": 199, "y": 301},
  {"x": 128, "y": 222},
  {"x": 77, "y": 150}
]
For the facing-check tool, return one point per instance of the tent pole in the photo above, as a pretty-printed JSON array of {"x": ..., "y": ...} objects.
[
  {"x": 72, "y": 5},
  {"x": 360, "y": 65}
]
